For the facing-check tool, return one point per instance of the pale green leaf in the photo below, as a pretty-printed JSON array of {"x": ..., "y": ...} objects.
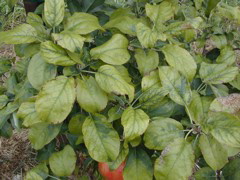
[
  {"x": 63, "y": 163},
  {"x": 32, "y": 176},
  {"x": 75, "y": 124},
  {"x": 124, "y": 72},
  {"x": 101, "y": 140},
  {"x": 236, "y": 82},
  {"x": 146, "y": 61},
  {"x": 60, "y": 96},
  {"x": 120, "y": 159},
  {"x": 217, "y": 73},
  {"x": 114, "y": 51},
  {"x": 55, "y": 54},
  {"x": 151, "y": 80},
  {"x": 24, "y": 33},
  {"x": 213, "y": 152},
  {"x": 177, "y": 85},
  {"x": 41, "y": 169},
  {"x": 42, "y": 133},
  {"x": 227, "y": 56},
  {"x": 90, "y": 96},
  {"x": 181, "y": 60},
  {"x": 111, "y": 81},
  {"x": 40, "y": 72},
  {"x": 3, "y": 101},
  {"x": 54, "y": 12},
  {"x": 161, "y": 132},
  {"x": 82, "y": 23},
  {"x": 160, "y": 13},
  {"x": 139, "y": 166},
  {"x": 28, "y": 113},
  {"x": 114, "y": 113},
  {"x": 220, "y": 41},
  {"x": 175, "y": 162},
  {"x": 225, "y": 128},
  {"x": 33, "y": 18},
  {"x": 135, "y": 122},
  {"x": 70, "y": 41}
]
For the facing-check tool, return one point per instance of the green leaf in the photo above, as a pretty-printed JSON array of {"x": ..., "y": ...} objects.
[
  {"x": 151, "y": 80},
  {"x": 135, "y": 122},
  {"x": 40, "y": 72},
  {"x": 175, "y": 162},
  {"x": 40, "y": 169},
  {"x": 60, "y": 96},
  {"x": 160, "y": 13},
  {"x": 54, "y": 12},
  {"x": 90, "y": 96},
  {"x": 178, "y": 57},
  {"x": 101, "y": 140},
  {"x": 227, "y": 56},
  {"x": 217, "y": 73},
  {"x": 231, "y": 170},
  {"x": 114, "y": 51},
  {"x": 146, "y": 61},
  {"x": 42, "y": 133},
  {"x": 23, "y": 33},
  {"x": 120, "y": 159},
  {"x": 213, "y": 152},
  {"x": 28, "y": 113},
  {"x": 63, "y": 163},
  {"x": 70, "y": 41},
  {"x": 236, "y": 82},
  {"x": 89, "y": 5},
  {"x": 55, "y": 54},
  {"x": 3, "y": 101},
  {"x": 32, "y": 175},
  {"x": 177, "y": 85},
  {"x": 161, "y": 132},
  {"x": 225, "y": 128},
  {"x": 11, "y": 3},
  {"x": 114, "y": 113},
  {"x": 33, "y": 18},
  {"x": 75, "y": 124},
  {"x": 205, "y": 173},
  {"x": 111, "y": 81},
  {"x": 124, "y": 73},
  {"x": 82, "y": 23},
  {"x": 138, "y": 166},
  {"x": 146, "y": 35}
]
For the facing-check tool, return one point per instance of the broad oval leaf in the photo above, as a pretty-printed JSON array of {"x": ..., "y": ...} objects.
[
  {"x": 213, "y": 152},
  {"x": 175, "y": 162},
  {"x": 28, "y": 113},
  {"x": 54, "y": 12},
  {"x": 231, "y": 170},
  {"x": 161, "y": 132},
  {"x": 114, "y": 51},
  {"x": 33, "y": 18},
  {"x": 177, "y": 85},
  {"x": 60, "y": 96},
  {"x": 227, "y": 56},
  {"x": 146, "y": 61},
  {"x": 63, "y": 163},
  {"x": 181, "y": 60},
  {"x": 101, "y": 140},
  {"x": 82, "y": 23},
  {"x": 111, "y": 81},
  {"x": 139, "y": 166},
  {"x": 90, "y": 96},
  {"x": 3, "y": 101},
  {"x": 70, "y": 41},
  {"x": 134, "y": 122},
  {"x": 55, "y": 54},
  {"x": 75, "y": 124},
  {"x": 40, "y": 72},
  {"x": 217, "y": 73},
  {"x": 205, "y": 173},
  {"x": 42, "y": 133},
  {"x": 24, "y": 33},
  {"x": 225, "y": 128}
]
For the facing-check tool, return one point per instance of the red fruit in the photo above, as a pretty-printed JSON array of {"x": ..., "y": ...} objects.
[{"x": 116, "y": 174}]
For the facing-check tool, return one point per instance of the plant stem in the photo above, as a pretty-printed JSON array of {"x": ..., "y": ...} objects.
[
  {"x": 91, "y": 72},
  {"x": 189, "y": 114},
  {"x": 189, "y": 132}
]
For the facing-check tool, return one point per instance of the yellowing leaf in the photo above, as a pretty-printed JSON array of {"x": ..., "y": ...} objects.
[
  {"x": 54, "y": 12},
  {"x": 82, "y": 23},
  {"x": 24, "y": 33},
  {"x": 70, "y": 41},
  {"x": 111, "y": 81},
  {"x": 60, "y": 96},
  {"x": 54, "y": 54},
  {"x": 90, "y": 96},
  {"x": 113, "y": 51},
  {"x": 101, "y": 140},
  {"x": 134, "y": 122},
  {"x": 63, "y": 163},
  {"x": 146, "y": 61},
  {"x": 181, "y": 60}
]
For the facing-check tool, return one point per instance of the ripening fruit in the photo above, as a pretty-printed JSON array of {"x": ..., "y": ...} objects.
[{"x": 107, "y": 174}]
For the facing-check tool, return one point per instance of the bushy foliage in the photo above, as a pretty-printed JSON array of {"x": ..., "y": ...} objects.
[{"x": 152, "y": 82}]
